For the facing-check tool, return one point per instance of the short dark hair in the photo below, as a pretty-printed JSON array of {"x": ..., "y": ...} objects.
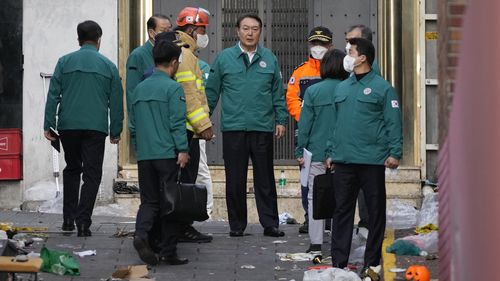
[
  {"x": 165, "y": 52},
  {"x": 364, "y": 47},
  {"x": 183, "y": 28},
  {"x": 252, "y": 16},
  {"x": 332, "y": 65},
  {"x": 88, "y": 31},
  {"x": 366, "y": 32},
  {"x": 153, "y": 21}
]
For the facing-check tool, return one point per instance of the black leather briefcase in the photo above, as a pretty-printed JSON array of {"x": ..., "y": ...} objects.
[
  {"x": 323, "y": 196},
  {"x": 184, "y": 201}
]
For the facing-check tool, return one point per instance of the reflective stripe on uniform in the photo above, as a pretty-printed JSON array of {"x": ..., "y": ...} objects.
[
  {"x": 184, "y": 76},
  {"x": 189, "y": 127},
  {"x": 199, "y": 84},
  {"x": 196, "y": 115}
]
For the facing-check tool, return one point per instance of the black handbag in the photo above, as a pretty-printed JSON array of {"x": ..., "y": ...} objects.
[
  {"x": 323, "y": 196},
  {"x": 184, "y": 201}
]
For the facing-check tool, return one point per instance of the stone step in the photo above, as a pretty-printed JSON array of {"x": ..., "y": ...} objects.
[
  {"x": 288, "y": 204},
  {"x": 292, "y": 173},
  {"x": 404, "y": 184}
]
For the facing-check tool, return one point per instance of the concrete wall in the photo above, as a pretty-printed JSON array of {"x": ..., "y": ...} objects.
[{"x": 49, "y": 31}]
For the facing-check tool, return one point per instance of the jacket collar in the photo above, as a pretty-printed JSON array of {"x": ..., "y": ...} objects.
[
  {"x": 365, "y": 80},
  {"x": 314, "y": 62},
  {"x": 88, "y": 46},
  {"x": 237, "y": 51},
  {"x": 186, "y": 39},
  {"x": 159, "y": 73}
]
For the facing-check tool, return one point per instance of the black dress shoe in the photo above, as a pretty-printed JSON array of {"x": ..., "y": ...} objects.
[
  {"x": 68, "y": 225},
  {"x": 144, "y": 250},
  {"x": 273, "y": 232},
  {"x": 191, "y": 235},
  {"x": 236, "y": 233},
  {"x": 83, "y": 231},
  {"x": 174, "y": 260}
]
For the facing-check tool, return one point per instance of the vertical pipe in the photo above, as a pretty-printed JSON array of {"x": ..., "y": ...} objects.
[
  {"x": 140, "y": 12},
  {"x": 390, "y": 41}
]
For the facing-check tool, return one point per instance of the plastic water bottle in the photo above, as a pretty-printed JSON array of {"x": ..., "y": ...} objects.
[{"x": 282, "y": 182}]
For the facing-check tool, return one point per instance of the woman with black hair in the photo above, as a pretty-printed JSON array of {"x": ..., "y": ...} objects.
[{"x": 314, "y": 124}]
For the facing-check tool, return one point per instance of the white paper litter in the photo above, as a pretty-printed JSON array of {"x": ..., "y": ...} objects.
[
  {"x": 295, "y": 256},
  {"x": 86, "y": 253}
]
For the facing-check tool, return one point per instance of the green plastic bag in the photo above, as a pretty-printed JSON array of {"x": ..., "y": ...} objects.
[
  {"x": 403, "y": 248},
  {"x": 59, "y": 262}
]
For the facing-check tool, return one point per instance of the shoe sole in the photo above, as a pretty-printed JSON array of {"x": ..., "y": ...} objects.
[
  {"x": 204, "y": 240},
  {"x": 275, "y": 235},
  {"x": 145, "y": 254},
  {"x": 176, "y": 263}
]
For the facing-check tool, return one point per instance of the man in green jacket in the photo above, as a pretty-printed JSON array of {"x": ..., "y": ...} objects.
[
  {"x": 366, "y": 137},
  {"x": 158, "y": 131},
  {"x": 248, "y": 78},
  {"x": 85, "y": 85},
  {"x": 362, "y": 31},
  {"x": 141, "y": 58}
]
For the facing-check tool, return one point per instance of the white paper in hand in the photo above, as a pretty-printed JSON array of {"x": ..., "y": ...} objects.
[{"x": 304, "y": 172}]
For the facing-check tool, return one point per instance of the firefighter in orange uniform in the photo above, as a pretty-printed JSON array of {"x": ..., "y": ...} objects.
[{"x": 305, "y": 75}]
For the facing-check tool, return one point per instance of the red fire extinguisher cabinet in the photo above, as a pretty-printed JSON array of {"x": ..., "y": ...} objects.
[{"x": 11, "y": 154}]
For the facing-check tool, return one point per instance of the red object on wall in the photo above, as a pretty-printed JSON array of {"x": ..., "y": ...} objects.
[
  {"x": 11, "y": 167},
  {"x": 10, "y": 142},
  {"x": 11, "y": 154}
]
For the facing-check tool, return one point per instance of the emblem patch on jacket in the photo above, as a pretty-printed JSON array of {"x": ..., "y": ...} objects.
[{"x": 263, "y": 64}]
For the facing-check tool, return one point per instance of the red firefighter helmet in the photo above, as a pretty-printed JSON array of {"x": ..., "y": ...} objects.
[{"x": 194, "y": 16}]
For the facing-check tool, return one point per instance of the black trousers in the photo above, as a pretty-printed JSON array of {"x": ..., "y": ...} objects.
[
  {"x": 237, "y": 148},
  {"x": 364, "y": 218},
  {"x": 188, "y": 175},
  {"x": 83, "y": 153},
  {"x": 151, "y": 174},
  {"x": 348, "y": 180},
  {"x": 190, "y": 172}
]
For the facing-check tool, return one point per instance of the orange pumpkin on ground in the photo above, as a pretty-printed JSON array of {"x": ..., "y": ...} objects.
[{"x": 418, "y": 273}]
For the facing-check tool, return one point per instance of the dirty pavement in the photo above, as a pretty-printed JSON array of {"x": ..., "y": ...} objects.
[{"x": 109, "y": 255}]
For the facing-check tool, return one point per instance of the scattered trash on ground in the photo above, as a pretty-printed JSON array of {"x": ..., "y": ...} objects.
[
  {"x": 426, "y": 242},
  {"x": 59, "y": 262},
  {"x": 429, "y": 212},
  {"x": 279, "y": 241},
  {"x": 296, "y": 256},
  {"x": 405, "y": 248},
  {"x": 86, "y": 253},
  {"x": 372, "y": 273},
  {"x": 33, "y": 255},
  {"x": 358, "y": 246},
  {"x": 122, "y": 187},
  {"x": 132, "y": 272},
  {"x": 397, "y": 270},
  {"x": 122, "y": 232},
  {"x": 330, "y": 274},
  {"x": 286, "y": 218},
  {"x": 426, "y": 228},
  {"x": 401, "y": 215},
  {"x": 248, "y": 266},
  {"x": 279, "y": 268}
]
